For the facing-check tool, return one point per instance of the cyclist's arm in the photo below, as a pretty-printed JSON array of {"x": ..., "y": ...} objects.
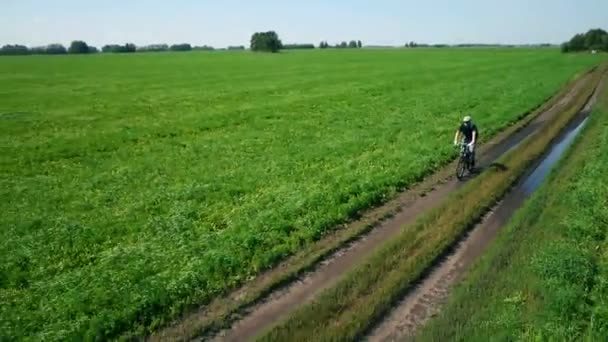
[{"x": 474, "y": 137}]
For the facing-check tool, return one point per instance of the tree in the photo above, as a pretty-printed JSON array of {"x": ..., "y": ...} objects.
[
  {"x": 577, "y": 43},
  {"x": 298, "y": 46},
  {"x": 595, "y": 39},
  {"x": 109, "y": 48},
  {"x": 130, "y": 47},
  {"x": 14, "y": 50},
  {"x": 113, "y": 48},
  {"x": 154, "y": 48},
  {"x": 93, "y": 49},
  {"x": 180, "y": 47},
  {"x": 359, "y": 44},
  {"x": 266, "y": 42},
  {"x": 352, "y": 44},
  {"x": 78, "y": 47},
  {"x": 56, "y": 49},
  {"x": 38, "y": 50},
  {"x": 239, "y": 47},
  {"x": 203, "y": 48}
]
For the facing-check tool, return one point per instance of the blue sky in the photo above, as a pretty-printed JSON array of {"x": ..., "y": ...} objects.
[{"x": 221, "y": 23}]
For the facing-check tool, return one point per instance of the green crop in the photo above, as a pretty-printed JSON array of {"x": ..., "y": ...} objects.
[{"x": 136, "y": 186}]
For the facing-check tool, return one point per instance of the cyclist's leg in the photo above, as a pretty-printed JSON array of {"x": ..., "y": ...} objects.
[
  {"x": 471, "y": 152},
  {"x": 472, "y": 149}
]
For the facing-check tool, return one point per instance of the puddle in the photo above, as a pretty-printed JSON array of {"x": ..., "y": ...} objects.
[{"x": 535, "y": 179}]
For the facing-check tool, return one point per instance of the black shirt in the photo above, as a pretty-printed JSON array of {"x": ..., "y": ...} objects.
[{"x": 467, "y": 129}]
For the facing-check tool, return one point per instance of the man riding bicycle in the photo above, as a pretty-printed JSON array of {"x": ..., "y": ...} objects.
[{"x": 468, "y": 132}]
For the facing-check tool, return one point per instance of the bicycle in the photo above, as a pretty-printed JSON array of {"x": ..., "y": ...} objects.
[{"x": 465, "y": 163}]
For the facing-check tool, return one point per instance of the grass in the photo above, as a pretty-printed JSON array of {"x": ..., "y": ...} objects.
[
  {"x": 546, "y": 277},
  {"x": 223, "y": 311},
  {"x": 136, "y": 186},
  {"x": 347, "y": 310}
]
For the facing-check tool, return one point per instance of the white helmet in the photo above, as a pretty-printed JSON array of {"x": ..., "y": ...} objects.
[{"x": 466, "y": 119}]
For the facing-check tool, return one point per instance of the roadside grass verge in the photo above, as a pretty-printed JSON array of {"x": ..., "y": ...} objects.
[
  {"x": 222, "y": 312},
  {"x": 546, "y": 276},
  {"x": 347, "y": 310}
]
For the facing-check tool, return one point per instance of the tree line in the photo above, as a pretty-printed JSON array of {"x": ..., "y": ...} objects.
[
  {"x": 77, "y": 47},
  {"x": 270, "y": 42},
  {"x": 260, "y": 42},
  {"x": 474, "y": 45},
  {"x": 593, "y": 40},
  {"x": 81, "y": 47},
  {"x": 298, "y": 46},
  {"x": 353, "y": 44}
]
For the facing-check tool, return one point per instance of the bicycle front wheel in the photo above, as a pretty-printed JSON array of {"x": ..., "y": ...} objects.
[{"x": 461, "y": 168}]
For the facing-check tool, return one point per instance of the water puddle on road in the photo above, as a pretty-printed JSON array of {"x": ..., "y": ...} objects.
[{"x": 535, "y": 179}]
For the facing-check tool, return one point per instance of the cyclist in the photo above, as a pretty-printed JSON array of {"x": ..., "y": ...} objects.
[{"x": 469, "y": 133}]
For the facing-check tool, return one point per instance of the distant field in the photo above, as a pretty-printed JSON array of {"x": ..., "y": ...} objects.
[
  {"x": 133, "y": 185},
  {"x": 546, "y": 277}
]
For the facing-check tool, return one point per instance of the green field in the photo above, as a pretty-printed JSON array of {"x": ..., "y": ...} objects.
[
  {"x": 546, "y": 278},
  {"x": 347, "y": 310},
  {"x": 136, "y": 185}
]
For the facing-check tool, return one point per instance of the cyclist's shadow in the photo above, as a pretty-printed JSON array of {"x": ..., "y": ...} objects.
[{"x": 493, "y": 166}]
